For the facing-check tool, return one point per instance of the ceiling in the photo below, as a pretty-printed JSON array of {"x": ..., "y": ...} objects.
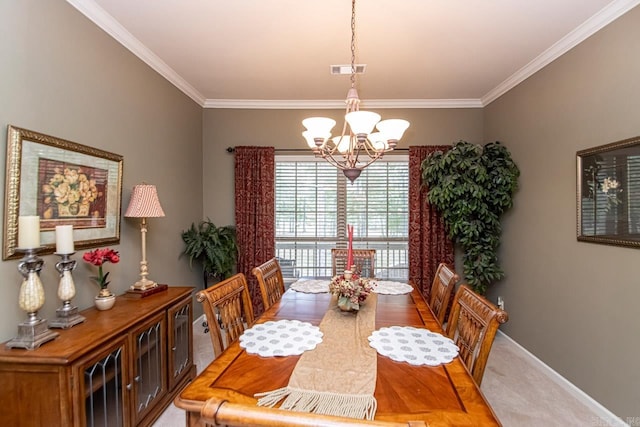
[{"x": 418, "y": 53}]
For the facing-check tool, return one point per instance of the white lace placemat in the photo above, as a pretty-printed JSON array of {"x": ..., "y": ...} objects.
[
  {"x": 391, "y": 288},
  {"x": 414, "y": 346},
  {"x": 280, "y": 338},
  {"x": 311, "y": 286}
]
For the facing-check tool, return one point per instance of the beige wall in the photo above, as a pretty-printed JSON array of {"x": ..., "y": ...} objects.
[
  {"x": 283, "y": 128},
  {"x": 572, "y": 304},
  {"x": 62, "y": 76}
]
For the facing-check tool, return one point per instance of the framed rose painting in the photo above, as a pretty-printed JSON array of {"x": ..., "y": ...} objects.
[
  {"x": 64, "y": 183},
  {"x": 608, "y": 196}
]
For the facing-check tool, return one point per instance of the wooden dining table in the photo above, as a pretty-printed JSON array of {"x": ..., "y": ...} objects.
[{"x": 444, "y": 395}]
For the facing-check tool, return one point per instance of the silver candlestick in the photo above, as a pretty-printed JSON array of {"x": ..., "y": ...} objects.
[
  {"x": 67, "y": 315},
  {"x": 33, "y": 332}
]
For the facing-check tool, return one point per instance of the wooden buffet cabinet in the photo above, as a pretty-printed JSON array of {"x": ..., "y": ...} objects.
[{"x": 120, "y": 367}]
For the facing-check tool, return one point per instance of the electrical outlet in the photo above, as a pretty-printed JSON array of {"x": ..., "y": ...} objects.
[{"x": 501, "y": 303}]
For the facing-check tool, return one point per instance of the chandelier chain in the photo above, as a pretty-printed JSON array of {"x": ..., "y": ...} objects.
[{"x": 353, "y": 43}]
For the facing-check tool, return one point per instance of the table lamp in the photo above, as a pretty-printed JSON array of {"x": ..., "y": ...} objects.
[{"x": 144, "y": 204}]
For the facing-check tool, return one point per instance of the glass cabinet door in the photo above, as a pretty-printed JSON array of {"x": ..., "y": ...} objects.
[
  {"x": 104, "y": 384},
  {"x": 180, "y": 341},
  {"x": 149, "y": 378}
]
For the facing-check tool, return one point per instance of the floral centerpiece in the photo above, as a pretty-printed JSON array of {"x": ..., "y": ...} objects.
[
  {"x": 98, "y": 257},
  {"x": 351, "y": 290}
]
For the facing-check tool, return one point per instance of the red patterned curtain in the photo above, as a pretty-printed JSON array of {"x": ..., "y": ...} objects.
[
  {"x": 255, "y": 213},
  {"x": 429, "y": 244}
]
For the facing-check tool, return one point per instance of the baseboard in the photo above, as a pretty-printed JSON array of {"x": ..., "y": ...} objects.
[{"x": 607, "y": 417}]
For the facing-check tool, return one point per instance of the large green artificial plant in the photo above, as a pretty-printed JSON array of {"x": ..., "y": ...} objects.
[
  {"x": 213, "y": 247},
  {"x": 472, "y": 186}
]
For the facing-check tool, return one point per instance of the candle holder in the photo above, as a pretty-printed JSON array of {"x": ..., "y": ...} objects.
[
  {"x": 33, "y": 332},
  {"x": 67, "y": 315}
]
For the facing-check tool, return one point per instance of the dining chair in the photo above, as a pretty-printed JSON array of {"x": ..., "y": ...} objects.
[
  {"x": 269, "y": 275},
  {"x": 363, "y": 259},
  {"x": 472, "y": 325},
  {"x": 442, "y": 287},
  {"x": 228, "y": 308}
]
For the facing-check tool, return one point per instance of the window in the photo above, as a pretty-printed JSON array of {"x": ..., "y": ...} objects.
[{"x": 315, "y": 202}]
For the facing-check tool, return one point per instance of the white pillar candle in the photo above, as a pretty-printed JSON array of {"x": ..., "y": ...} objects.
[
  {"x": 64, "y": 239},
  {"x": 28, "y": 232}
]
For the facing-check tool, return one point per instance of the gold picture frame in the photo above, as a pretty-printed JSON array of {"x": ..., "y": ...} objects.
[
  {"x": 608, "y": 193},
  {"x": 64, "y": 183}
]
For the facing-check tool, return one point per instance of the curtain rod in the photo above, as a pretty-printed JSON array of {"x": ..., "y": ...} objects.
[
  {"x": 232, "y": 149},
  {"x": 293, "y": 150}
]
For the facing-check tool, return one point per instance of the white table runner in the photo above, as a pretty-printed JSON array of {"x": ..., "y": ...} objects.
[
  {"x": 391, "y": 288},
  {"x": 414, "y": 346},
  {"x": 280, "y": 338},
  {"x": 311, "y": 286},
  {"x": 319, "y": 286}
]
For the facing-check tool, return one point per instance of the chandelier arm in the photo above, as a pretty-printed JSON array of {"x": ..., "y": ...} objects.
[
  {"x": 334, "y": 162},
  {"x": 355, "y": 152},
  {"x": 368, "y": 162},
  {"x": 342, "y": 165},
  {"x": 371, "y": 150}
]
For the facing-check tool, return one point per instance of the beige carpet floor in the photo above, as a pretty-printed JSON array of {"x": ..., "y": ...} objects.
[{"x": 521, "y": 393}]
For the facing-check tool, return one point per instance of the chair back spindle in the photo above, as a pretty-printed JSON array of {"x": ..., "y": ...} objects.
[
  {"x": 441, "y": 290},
  {"x": 228, "y": 308},
  {"x": 472, "y": 325},
  {"x": 364, "y": 260},
  {"x": 269, "y": 275}
]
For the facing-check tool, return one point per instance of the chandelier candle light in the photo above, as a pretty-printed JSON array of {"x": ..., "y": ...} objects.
[
  {"x": 357, "y": 147},
  {"x": 144, "y": 204},
  {"x": 34, "y": 331},
  {"x": 67, "y": 315}
]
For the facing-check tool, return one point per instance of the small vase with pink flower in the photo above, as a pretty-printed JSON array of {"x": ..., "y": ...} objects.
[{"x": 98, "y": 257}]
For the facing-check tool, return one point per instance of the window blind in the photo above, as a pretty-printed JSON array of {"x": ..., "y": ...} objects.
[{"x": 315, "y": 202}]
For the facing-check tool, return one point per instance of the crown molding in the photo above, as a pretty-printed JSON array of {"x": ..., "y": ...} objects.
[
  {"x": 340, "y": 104},
  {"x": 108, "y": 24},
  {"x": 591, "y": 26}
]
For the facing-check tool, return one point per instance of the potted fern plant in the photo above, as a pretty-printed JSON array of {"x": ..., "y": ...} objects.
[
  {"x": 472, "y": 186},
  {"x": 214, "y": 247}
]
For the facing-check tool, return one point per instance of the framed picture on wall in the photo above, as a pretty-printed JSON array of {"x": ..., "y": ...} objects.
[
  {"x": 64, "y": 183},
  {"x": 608, "y": 193}
]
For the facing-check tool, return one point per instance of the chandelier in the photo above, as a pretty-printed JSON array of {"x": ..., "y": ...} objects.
[{"x": 358, "y": 146}]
